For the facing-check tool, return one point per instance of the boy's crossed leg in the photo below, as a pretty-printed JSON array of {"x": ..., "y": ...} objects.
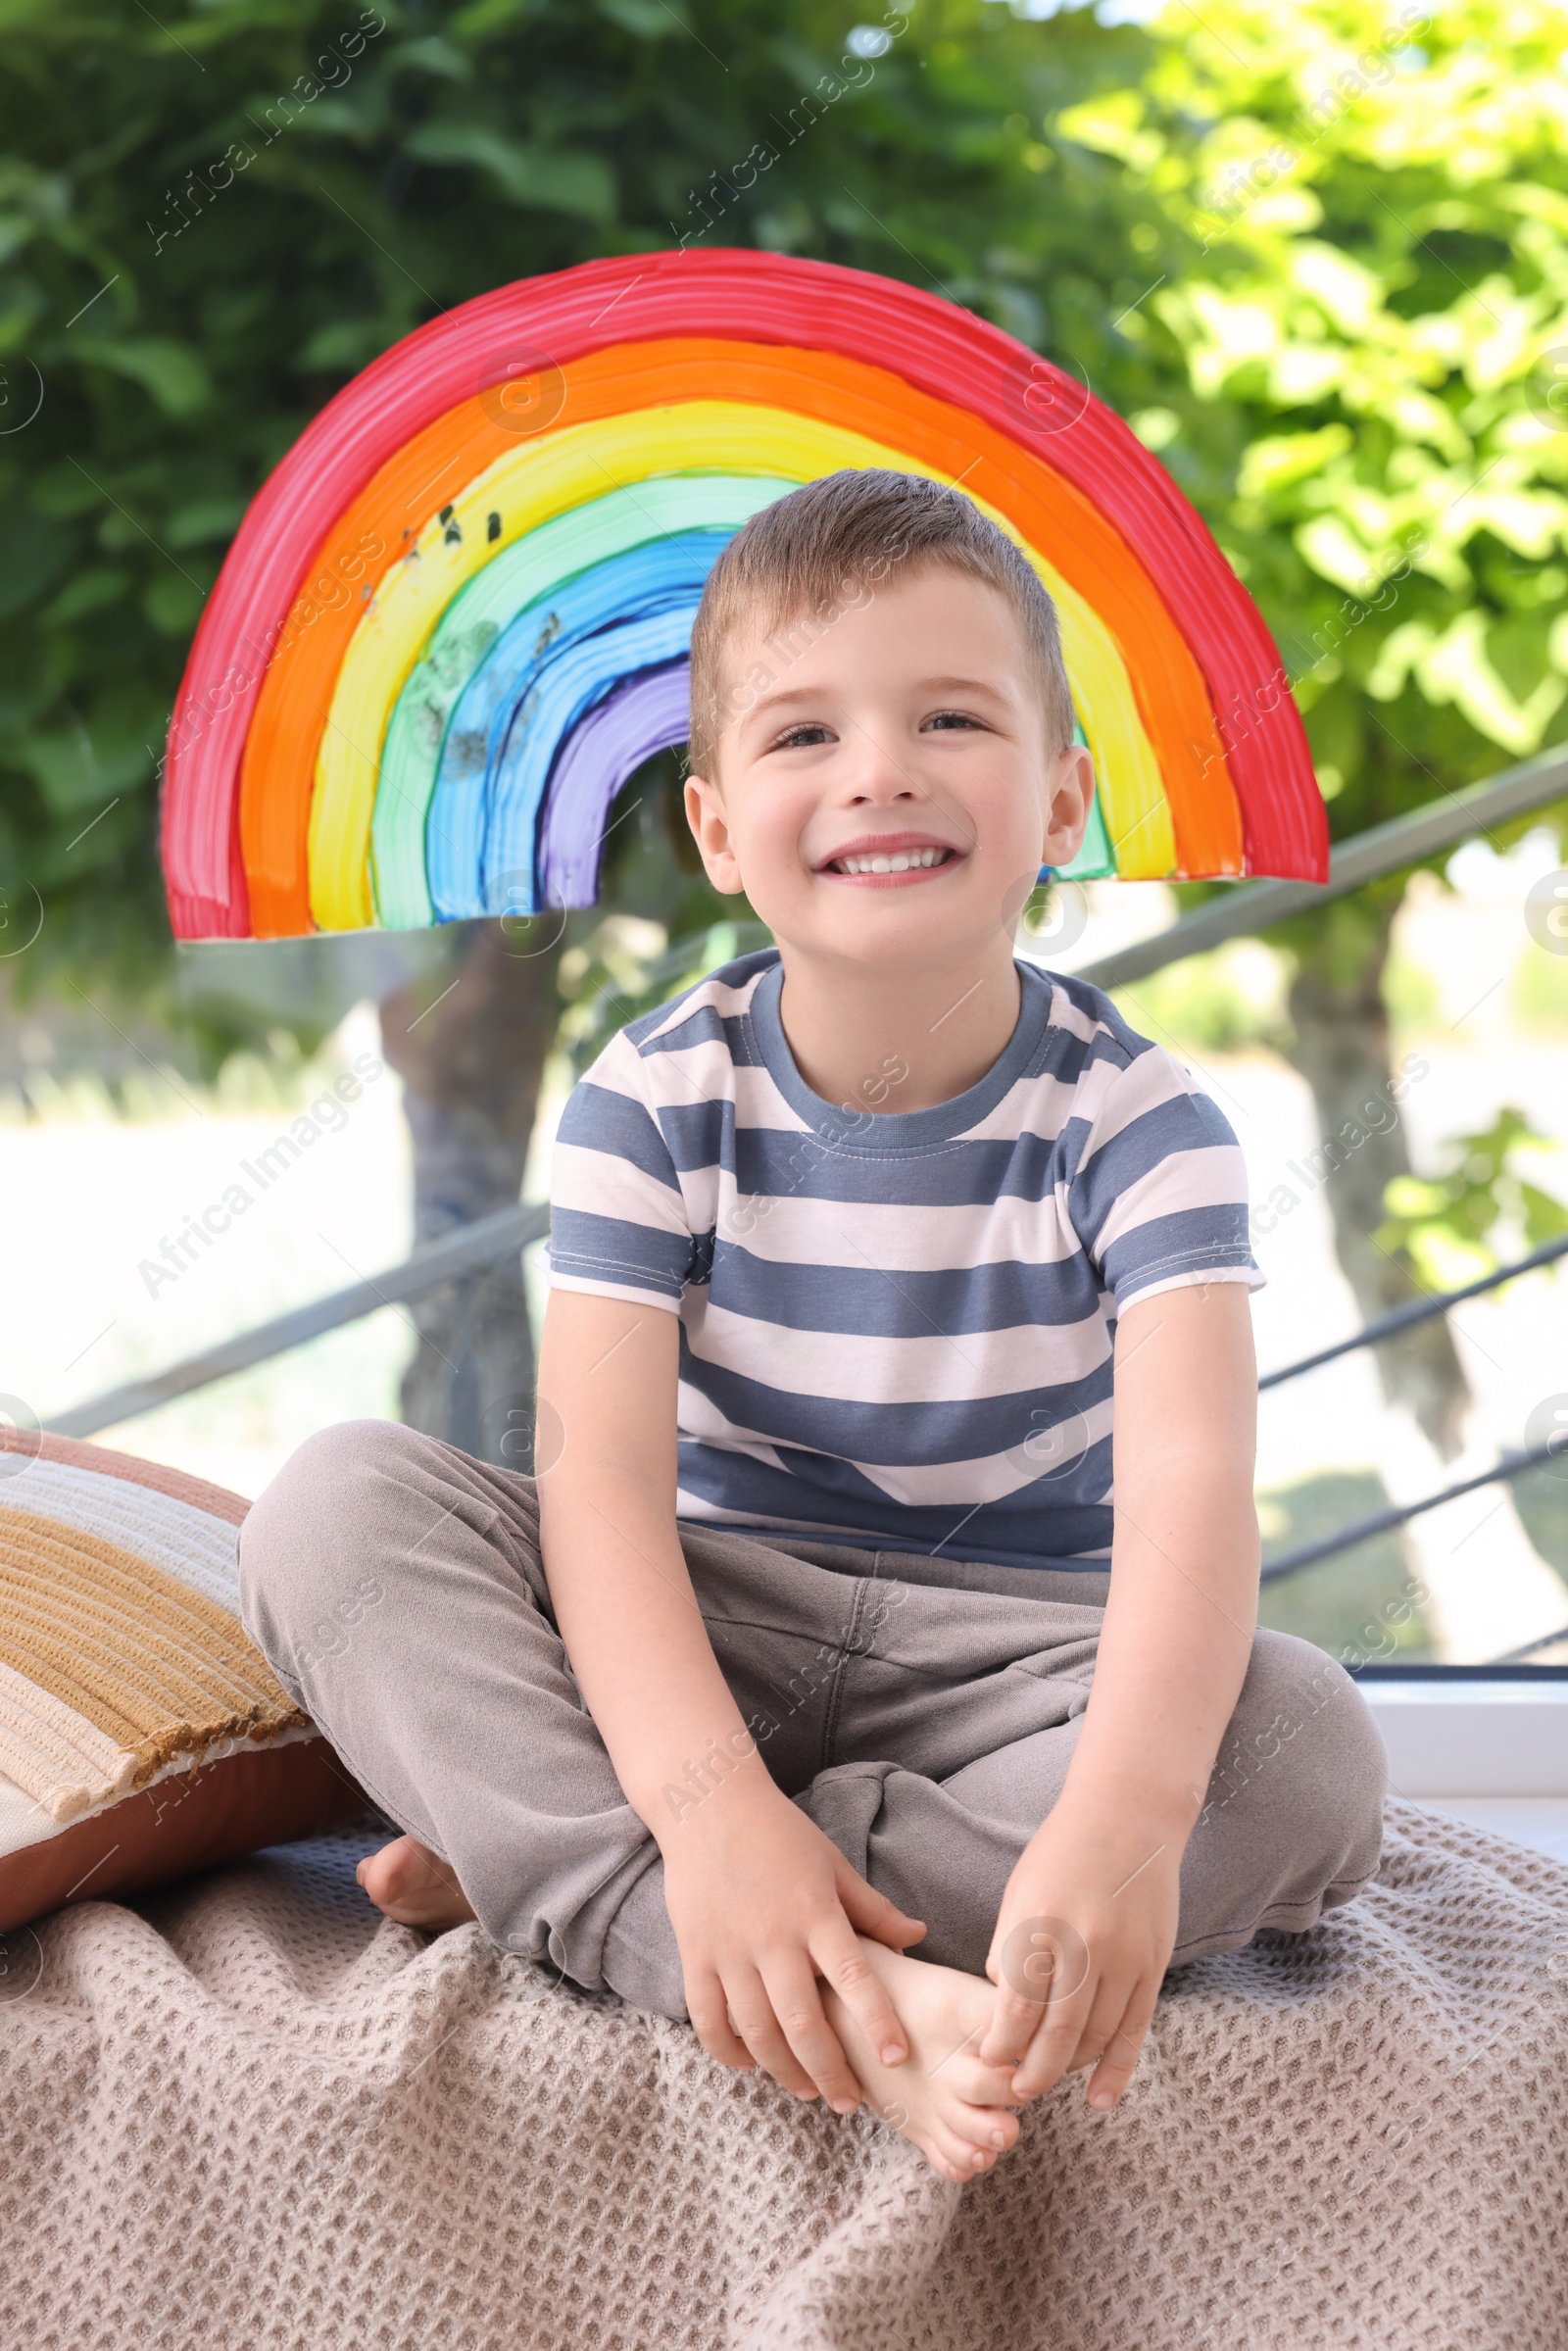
[{"x": 395, "y": 1586}]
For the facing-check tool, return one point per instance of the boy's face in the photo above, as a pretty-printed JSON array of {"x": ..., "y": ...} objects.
[{"x": 907, "y": 728}]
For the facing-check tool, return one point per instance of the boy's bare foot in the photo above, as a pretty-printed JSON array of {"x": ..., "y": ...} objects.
[
  {"x": 414, "y": 1885},
  {"x": 956, "y": 2110}
]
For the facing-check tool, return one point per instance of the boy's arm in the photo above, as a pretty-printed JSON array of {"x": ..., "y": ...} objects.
[
  {"x": 1092, "y": 1902},
  {"x": 762, "y": 1902}
]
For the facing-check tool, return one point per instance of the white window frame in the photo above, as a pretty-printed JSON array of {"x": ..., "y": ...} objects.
[{"x": 1472, "y": 1738}]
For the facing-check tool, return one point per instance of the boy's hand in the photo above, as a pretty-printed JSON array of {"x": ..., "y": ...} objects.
[
  {"x": 1088, "y": 1918},
  {"x": 762, "y": 1904}
]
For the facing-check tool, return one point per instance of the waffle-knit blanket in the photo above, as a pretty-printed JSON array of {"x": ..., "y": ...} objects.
[{"x": 247, "y": 2112}]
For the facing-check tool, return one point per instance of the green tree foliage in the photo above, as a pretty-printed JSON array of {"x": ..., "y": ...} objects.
[
  {"x": 1364, "y": 315},
  {"x": 210, "y": 220},
  {"x": 1448, "y": 1223}
]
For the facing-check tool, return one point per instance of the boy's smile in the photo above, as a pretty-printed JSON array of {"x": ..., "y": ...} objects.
[{"x": 891, "y": 861}]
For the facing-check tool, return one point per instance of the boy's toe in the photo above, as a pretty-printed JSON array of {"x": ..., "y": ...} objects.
[
  {"x": 960, "y": 2157},
  {"x": 951, "y": 2157},
  {"x": 984, "y": 2128},
  {"x": 977, "y": 2085}
]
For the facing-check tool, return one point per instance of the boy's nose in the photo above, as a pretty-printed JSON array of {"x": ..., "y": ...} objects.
[{"x": 877, "y": 775}]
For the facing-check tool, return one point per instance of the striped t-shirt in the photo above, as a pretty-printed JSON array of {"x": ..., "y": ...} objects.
[{"x": 896, "y": 1326}]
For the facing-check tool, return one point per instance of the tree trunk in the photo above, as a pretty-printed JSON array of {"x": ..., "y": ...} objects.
[
  {"x": 1487, "y": 1590},
  {"x": 470, "y": 1061},
  {"x": 1342, "y": 1050}
]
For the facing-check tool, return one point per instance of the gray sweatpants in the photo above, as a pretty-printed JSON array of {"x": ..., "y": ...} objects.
[{"x": 922, "y": 1713}]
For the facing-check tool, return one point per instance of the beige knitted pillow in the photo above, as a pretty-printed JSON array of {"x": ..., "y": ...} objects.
[{"x": 142, "y": 1734}]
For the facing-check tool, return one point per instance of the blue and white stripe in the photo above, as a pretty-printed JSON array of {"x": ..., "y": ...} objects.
[{"x": 897, "y": 1327}]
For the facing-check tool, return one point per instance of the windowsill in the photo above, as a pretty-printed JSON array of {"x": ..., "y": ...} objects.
[{"x": 1464, "y": 1735}]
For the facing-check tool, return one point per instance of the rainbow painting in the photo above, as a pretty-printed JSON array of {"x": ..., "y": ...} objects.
[{"x": 456, "y": 616}]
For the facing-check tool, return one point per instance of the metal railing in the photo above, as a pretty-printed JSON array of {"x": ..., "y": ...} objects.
[
  {"x": 1420, "y": 1309},
  {"x": 1399, "y": 1514},
  {"x": 481, "y": 1243},
  {"x": 1503, "y": 1470},
  {"x": 1369, "y": 856}
]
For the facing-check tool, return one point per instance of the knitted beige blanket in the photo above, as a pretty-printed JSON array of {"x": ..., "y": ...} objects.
[{"x": 249, "y": 2114}]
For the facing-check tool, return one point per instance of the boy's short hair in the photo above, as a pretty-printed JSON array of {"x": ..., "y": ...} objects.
[{"x": 828, "y": 545}]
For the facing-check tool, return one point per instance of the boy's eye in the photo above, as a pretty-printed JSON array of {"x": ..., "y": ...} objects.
[
  {"x": 949, "y": 719},
  {"x": 802, "y": 737}
]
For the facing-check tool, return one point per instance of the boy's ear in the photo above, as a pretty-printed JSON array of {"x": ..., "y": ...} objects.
[
  {"x": 1069, "y": 796},
  {"x": 704, "y": 814}
]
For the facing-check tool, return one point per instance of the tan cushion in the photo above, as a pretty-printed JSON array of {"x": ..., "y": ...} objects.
[{"x": 142, "y": 1734}]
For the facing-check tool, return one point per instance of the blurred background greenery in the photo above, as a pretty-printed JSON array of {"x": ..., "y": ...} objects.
[{"x": 1316, "y": 254}]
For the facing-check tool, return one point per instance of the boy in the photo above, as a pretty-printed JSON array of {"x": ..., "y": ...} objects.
[{"x": 816, "y": 1634}]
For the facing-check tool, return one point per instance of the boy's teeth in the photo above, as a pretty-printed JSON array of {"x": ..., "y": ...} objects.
[{"x": 900, "y": 862}]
